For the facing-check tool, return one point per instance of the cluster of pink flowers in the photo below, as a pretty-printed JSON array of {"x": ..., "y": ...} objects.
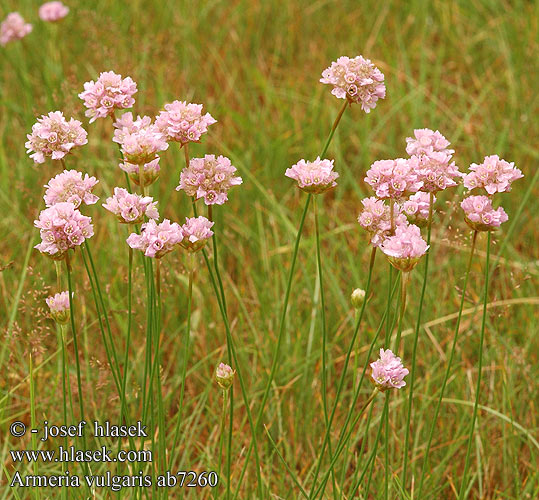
[
  {"x": 388, "y": 371},
  {"x": 53, "y": 136},
  {"x": 183, "y": 122},
  {"x": 426, "y": 142},
  {"x": 210, "y": 178},
  {"x": 196, "y": 232},
  {"x": 13, "y": 27},
  {"x": 156, "y": 240},
  {"x": 108, "y": 93},
  {"x": 494, "y": 175},
  {"x": 357, "y": 80},
  {"x": 131, "y": 208},
  {"x": 59, "y": 307},
  {"x": 435, "y": 170},
  {"x": 376, "y": 219},
  {"x": 62, "y": 227},
  {"x": 53, "y": 11},
  {"x": 313, "y": 176},
  {"x": 405, "y": 247},
  {"x": 480, "y": 215},
  {"x": 393, "y": 178},
  {"x": 417, "y": 207},
  {"x": 72, "y": 187}
]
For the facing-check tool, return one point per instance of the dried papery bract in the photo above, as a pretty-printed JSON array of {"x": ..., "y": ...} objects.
[{"x": 13, "y": 27}]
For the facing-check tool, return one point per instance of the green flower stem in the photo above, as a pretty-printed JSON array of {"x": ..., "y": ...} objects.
[
  {"x": 221, "y": 436},
  {"x": 129, "y": 322}
]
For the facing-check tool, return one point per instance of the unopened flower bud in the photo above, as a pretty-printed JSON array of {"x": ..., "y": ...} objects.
[
  {"x": 357, "y": 298},
  {"x": 224, "y": 375}
]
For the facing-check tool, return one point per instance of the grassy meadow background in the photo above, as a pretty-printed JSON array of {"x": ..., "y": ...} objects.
[{"x": 467, "y": 68}]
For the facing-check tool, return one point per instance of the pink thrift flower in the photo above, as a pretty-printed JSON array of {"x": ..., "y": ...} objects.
[
  {"x": 224, "y": 375},
  {"x": 388, "y": 371},
  {"x": 480, "y": 215},
  {"x": 62, "y": 227},
  {"x": 59, "y": 307},
  {"x": 126, "y": 124},
  {"x": 494, "y": 175},
  {"x": 405, "y": 247},
  {"x": 156, "y": 240},
  {"x": 313, "y": 176},
  {"x": 357, "y": 80},
  {"x": 141, "y": 146},
  {"x": 54, "y": 137},
  {"x": 427, "y": 141},
  {"x": 71, "y": 186},
  {"x": 53, "y": 11},
  {"x": 182, "y": 122},
  {"x": 416, "y": 208},
  {"x": 196, "y": 232},
  {"x": 13, "y": 27},
  {"x": 108, "y": 93},
  {"x": 210, "y": 178},
  {"x": 131, "y": 208},
  {"x": 150, "y": 171},
  {"x": 393, "y": 178},
  {"x": 376, "y": 219},
  {"x": 435, "y": 170}
]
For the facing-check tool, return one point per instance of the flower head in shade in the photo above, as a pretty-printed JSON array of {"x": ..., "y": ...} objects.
[
  {"x": 376, "y": 219},
  {"x": 313, "y": 176},
  {"x": 405, "y": 247},
  {"x": 196, "y": 232},
  {"x": 388, "y": 371},
  {"x": 210, "y": 178},
  {"x": 393, "y": 178},
  {"x": 59, "y": 307},
  {"x": 150, "y": 171},
  {"x": 53, "y": 136},
  {"x": 131, "y": 208},
  {"x": 480, "y": 215},
  {"x": 357, "y": 298},
  {"x": 71, "y": 186},
  {"x": 224, "y": 375},
  {"x": 416, "y": 208},
  {"x": 357, "y": 80},
  {"x": 156, "y": 240},
  {"x": 426, "y": 142},
  {"x": 494, "y": 175},
  {"x": 108, "y": 93},
  {"x": 435, "y": 170},
  {"x": 13, "y": 27},
  {"x": 62, "y": 227},
  {"x": 53, "y": 11},
  {"x": 183, "y": 122}
]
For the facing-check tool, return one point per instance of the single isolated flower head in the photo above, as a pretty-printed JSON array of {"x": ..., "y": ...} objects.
[
  {"x": 59, "y": 307},
  {"x": 357, "y": 80},
  {"x": 480, "y": 215},
  {"x": 13, "y": 27},
  {"x": 210, "y": 178},
  {"x": 376, "y": 219},
  {"x": 313, "y": 176},
  {"x": 393, "y": 178},
  {"x": 53, "y": 11},
  {"x": 150, "y": 171},
  {"x": 388, "y": 371},
  {"x": 426, "y": 142},
  {"x": 131, "y": 208},
  {"x": 494, "y": 175},
  {"x": 435, "y": 170},
  {"x": 357, "y": 298},
  {"x": 156, "y": 240},
  {"x": 224, "y": 375},
  {"x": 62, "y": 227},
  {"x": 183, "y": 122},
  {"x": 416, "y": 208},
  {"x": 108, "y": 93},
  {"x": 196, "y": 232},
  {"x": 54, "y": 137},
  {"x": 71, "y": 186},
  {"x": 405, "y": 247}
]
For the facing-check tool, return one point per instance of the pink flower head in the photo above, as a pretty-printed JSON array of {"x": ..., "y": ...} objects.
[
  {"x": 156, "y": 240},
  {"x": 71, "y": 186},
  {"x": 196, "y": 232},
  {"x": 494, "y": 175},
  {"x": 183, "y": 122},
  {"x": 435, "y": 170},
  {"x": 131, "y": 208},
  {"x": 405, "y": 247},
  {"x": 416, "y": 208},
  {"x": 13, "y": 27},
  {"x": 313, "y": 176},
  {"x": 357, "y": 80},
  {"x": 59, "y": 307},
  {"x": 224, "y": 375},
  {"x": 62, "y": 227},
  {"x": 479, "y": 214},
  {"x": 426, "y": 141},
  {"x": 210, "y": 178},
  {"x": 108, "y": 93},
  {"x": 150, "y": 171},
  {"x": 388, "y": 371},
  {"x": 53, "y": 136},
  {"x": 141, "y": 146},
  {"x": 126, "y": 124},
  {"x": 393, "y": 178},
  {"x": 53, "y": 11},
  {"x": 376, "y": 219}
]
